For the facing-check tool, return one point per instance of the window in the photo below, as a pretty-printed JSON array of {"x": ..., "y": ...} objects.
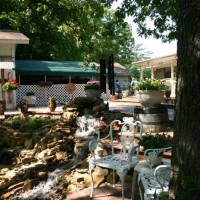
[{"x": 168, "y": 72}]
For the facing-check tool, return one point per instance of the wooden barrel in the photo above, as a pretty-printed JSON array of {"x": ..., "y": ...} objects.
[{"x": 153, "y": 119}]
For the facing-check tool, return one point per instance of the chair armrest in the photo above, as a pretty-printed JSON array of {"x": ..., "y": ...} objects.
[
  {"x": 96, "y": 148},
  {"x": 132, "y": 151}
]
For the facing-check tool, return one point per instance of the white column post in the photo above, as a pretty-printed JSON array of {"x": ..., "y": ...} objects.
[
  {"x": 14, "y": 75},
  {"x": 152, "y": 72},
  {"x": 141, "y": 72},
  {"x": 172, "y": 79}
]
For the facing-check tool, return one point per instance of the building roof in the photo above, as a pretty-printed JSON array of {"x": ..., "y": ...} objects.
[
  {"x": 160, "y": 62},
  {"x": 12, "y": 36},
  {"x": 121, "y": 70},
  {"x": 54, "y": 68}
]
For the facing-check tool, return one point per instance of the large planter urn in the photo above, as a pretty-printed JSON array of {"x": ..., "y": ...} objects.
[
  {"x": 93, "y": 93},
  {"x": 30, "y": 99},
  {"x": 150, "y": 98}
]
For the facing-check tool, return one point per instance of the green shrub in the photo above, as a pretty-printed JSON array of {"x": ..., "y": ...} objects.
[
  {"x": 150, "y": 84},
  {"x": 154, "y": 141},
  {"x": 29, "y": 123}
]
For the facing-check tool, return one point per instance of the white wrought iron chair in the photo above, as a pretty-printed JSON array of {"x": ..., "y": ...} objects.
[
  {"x": 155, "y": 185},
  {"x": 152, "y": 159},
  {"x": 123, "y": 161}
]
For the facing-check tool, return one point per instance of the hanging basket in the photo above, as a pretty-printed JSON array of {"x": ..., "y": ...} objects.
[{"x": 45, "y": 84}]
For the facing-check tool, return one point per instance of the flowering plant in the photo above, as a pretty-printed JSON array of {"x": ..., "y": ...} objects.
[
  {"x": 10, "y": 85},
  {"x": 150, "y": 84},
  {"x": 93, "y": 85},
  {"x": 45, "y": 83}
]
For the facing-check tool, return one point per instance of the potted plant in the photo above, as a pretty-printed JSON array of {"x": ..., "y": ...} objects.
[
  {"x": 167, "y": 91},
  {"x": 150, "y": 92},
  {"x": 125, "y": 93},
  {"x": 93, "y": 89},
  {"x": 52, "y": 104},
  {"x": 115, "y": 96}
]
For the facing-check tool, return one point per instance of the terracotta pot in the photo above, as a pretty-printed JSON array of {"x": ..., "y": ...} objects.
[
  {"x": 52, "y": 105},
  {"x": 167, "y": 94},
  {"x": 114, "y": 97},
  {"x": 52, "y": 109}
]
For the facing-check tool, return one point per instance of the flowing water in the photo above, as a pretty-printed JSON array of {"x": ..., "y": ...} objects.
[{"x": 47, "y": 189}]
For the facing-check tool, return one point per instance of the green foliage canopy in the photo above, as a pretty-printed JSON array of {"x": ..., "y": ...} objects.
[
  {"x": 163, "y": 13},
  {"x": 68, "y": 30}
]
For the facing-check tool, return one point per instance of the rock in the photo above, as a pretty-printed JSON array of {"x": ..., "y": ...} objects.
[
  {"x": 51, "y": 145},
  {"x": 80, "y": 179},
  {"x": 98, "y": 179},
  {"x": 61, "y": 155},
  {"x": 28, "y": 153},
  {"x": 57, "y": 142},
  {"x": 50, "y": 159},
  {"x": 66, "y": 130},
  {"x": 29, "y": 184},
  {"x": 100, "y": 171},
  {"x": 20, "y": 184},
  {"x": 71, "y": 188},
  {"x": 109, "y": 178},
  {"x": 43, "y": 154},
  {"x": 28, "y": 160},
  {"x": 70, "y": 115},
  {"x": 28, "y": 143},
  {"x": 43, "y": 146},
  {"x": 83, "y": 100},
  {"x": 8, "y": 194},
  {"x": 42, "y": 175}
]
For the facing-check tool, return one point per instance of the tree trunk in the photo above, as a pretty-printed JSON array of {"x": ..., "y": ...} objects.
[{"x": 186, "y": 147}]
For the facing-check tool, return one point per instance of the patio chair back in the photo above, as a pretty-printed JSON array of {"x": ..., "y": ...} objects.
[{"x": 122, "y": 161}]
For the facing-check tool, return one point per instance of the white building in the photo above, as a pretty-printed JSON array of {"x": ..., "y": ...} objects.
[{"x": 163, "y": 68}]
